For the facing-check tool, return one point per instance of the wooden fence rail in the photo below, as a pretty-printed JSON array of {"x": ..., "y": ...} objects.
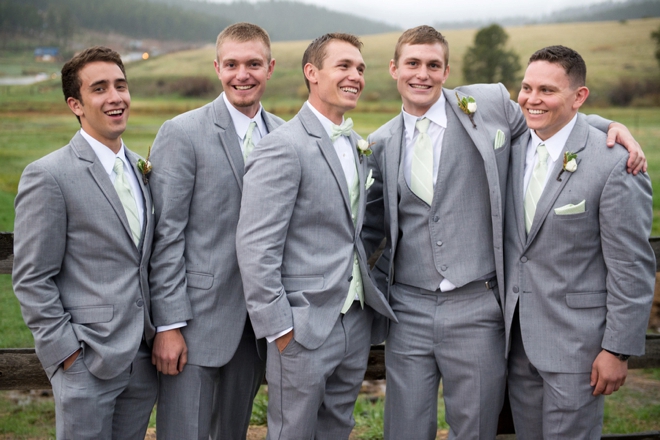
[{"x": 20, "y": 369}]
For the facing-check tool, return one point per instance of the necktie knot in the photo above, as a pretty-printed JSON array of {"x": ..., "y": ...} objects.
[
  {"x": 422, "y": 125},
  {"x": 341, "y": 130},
  {"x": 118, "y": 167}
]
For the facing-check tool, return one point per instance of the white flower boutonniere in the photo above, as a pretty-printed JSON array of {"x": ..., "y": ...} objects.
[
  {"x": 363, "y": 148},
  {"x": 145, "y": 167},
  {"x": 570, "y": 164},
  {"x": 370, "y": 180},
  {"x": 469, "y": 107}
]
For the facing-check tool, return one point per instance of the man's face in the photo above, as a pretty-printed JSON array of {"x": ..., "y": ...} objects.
[
  {"x": 243, "y": 70},
  {"x": 336, "y": 87},
  {"x": 547, "y": 98},
  {"x": 420, "y": 74},
  {"x": 103, "y": 107}
]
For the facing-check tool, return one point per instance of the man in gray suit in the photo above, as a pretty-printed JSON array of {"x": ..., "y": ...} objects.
[
  {"x": 82, "y": 241},
  {"x": 307, "y": 285},
  {"x": 439, "y": 173},
  {"x": 579, "y": 267},
  {"x": 210, "y": 362}
]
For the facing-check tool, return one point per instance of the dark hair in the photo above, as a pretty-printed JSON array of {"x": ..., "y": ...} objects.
[
  {"x": 71, "y": 80},
  {"x": 316, "y": 51},
  {"x": 570, "y": 60},
  {"x": 421, "y": 35}
]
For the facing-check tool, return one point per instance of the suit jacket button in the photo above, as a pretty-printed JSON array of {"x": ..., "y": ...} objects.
[
  {"x": 439, "y": 243},
  {"x": 443, "y": 268},
  {"x": 350, "y": 278},
  {"x": 436, "y": 218},
  {"x": 139, "y": 302},
  {"x": 515, "y": 289},
  {"x": 523, "y": 259}
]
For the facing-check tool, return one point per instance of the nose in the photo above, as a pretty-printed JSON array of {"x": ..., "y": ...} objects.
[
  {"x": 243, "y": 73},
  {"x": 114, "y": 95},
  {"x": 422, "y": 72}
]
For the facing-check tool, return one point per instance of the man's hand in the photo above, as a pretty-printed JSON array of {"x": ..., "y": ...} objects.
[
  {"x": 283, "y": 341},
  {"x": 608, "y": 373},
  {"x": 619, "y": 133},
  {"x": 169, "y": 353},
  {"x": 70, "y": 360}
]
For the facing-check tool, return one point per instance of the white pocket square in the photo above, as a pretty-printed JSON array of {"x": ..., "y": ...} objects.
[
  {"x": 499, "y": 140},
  {"x": 370, "y": 180},
  {"x": 571, "y": 209}
]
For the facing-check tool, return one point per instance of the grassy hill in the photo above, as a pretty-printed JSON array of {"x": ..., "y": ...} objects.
[{"x": 612, "y": 50}]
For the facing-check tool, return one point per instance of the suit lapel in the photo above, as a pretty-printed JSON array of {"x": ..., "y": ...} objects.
[
  {"x": 576, "y": 143},
  {"x": 85, "y": 153},
  {"x": 315, "y": 130},
  {"x": 518, "y": 155},
  {"x": 478, "y": 135},
  {"x": 229, "y": 139},
  {"x": 392, "y": 157},
  {"x": 146, "y": 195},
  {"x": 360, "y": 166}
]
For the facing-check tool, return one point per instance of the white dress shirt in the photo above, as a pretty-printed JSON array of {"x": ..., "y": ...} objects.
[
  {"x": 242, "y": 122},
  {"x": 554, "y": 145}
]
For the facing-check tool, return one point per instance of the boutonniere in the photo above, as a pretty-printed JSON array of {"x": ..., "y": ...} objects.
[
  {"x": 469, "y": 107},
  {"x": 145, "y": 167},
  {"x": 363, "y": 148},
  {"x": 370, "y": 180},
  {"x": 570, "y": 164}
]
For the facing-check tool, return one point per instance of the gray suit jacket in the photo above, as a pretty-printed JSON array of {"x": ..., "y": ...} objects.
[
  {"x": 296, "y": 238},
  {"x": 78, "y": 275},
  {"x": 197, "y": 181},
  {"x": 495, "y": 111},
  {"x": 582, "y": 282}
]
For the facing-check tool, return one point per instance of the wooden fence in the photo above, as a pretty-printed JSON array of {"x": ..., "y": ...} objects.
[{"x": 20, "y": 369}]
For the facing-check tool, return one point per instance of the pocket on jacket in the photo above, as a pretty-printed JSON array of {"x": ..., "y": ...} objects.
[
  {"x": 198, "y": 280},
  {"x": 297, "y": 283},
  {"x": 586, "y": 300},
  {"x": 91, "y": 314}
]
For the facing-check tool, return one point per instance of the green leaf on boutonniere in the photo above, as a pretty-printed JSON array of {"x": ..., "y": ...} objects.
[{"x": 469, "y": 106}]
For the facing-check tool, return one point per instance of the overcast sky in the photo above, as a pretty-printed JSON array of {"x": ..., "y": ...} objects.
[{"x": 408, "y": 13}]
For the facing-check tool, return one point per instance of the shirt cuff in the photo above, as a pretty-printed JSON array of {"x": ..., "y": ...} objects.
[
  {"x": 164, "y": 328},
  {"x": 278, "y": 335}
]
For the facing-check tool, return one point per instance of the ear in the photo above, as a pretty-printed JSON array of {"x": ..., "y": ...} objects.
[
  {"x": 75, "y": 106},
  {"x": 271, "y": 68},
  {"x": 393, "y": 70},
  {"x": 311, "y": 73},
  {"x": 581, "y": 95},
  {"x": 216, "y": 66}
]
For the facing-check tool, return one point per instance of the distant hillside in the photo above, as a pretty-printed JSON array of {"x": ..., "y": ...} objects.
[
  {"x": 604, "y": 11},
  {"x": 286, "y": 20}
]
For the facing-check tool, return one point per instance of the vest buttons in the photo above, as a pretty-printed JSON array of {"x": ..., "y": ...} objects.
[
  {"x": 139, "y": 302},
  {"x": 439, "y": 243},
  {"x": 523, "y": 259},
  {"x": 515, "y": 289},
  {"x": 443, "y": 268},
  {"x": 436, "y": 218}
]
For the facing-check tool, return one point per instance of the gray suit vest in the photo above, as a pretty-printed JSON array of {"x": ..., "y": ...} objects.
[{"x": 453, "y": 237}]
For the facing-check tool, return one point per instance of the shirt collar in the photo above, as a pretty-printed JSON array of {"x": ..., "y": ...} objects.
[
  {"x": 437, "y": 114},
  {"x": 241, "y": 122},
  {"x": 555, "y": 143},
  {"x": 106, "y": 155},
  {"x": 325, "y": 122}
]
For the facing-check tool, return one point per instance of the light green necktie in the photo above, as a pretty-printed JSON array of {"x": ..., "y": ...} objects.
[
  {"x": 421, "y": 172},
  {"x": 123, "y": 188},
  {"x": 535, "y": 186},
  {"x": 248, "y": 145},
  {"x": 355, "y": 288},
  {"x": 341, "y": 130}
]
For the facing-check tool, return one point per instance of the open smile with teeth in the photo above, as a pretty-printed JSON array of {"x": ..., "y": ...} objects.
[
  {"x": 352, "y": 90},
  {"x": 420, "y": 86},
  {"x": 243, "y": 87},
  {"x": 536, "y": 112},
  {"x": 115, "y": 112}
]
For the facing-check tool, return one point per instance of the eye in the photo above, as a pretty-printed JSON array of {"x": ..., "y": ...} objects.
[{"x": 412, "y": 63}]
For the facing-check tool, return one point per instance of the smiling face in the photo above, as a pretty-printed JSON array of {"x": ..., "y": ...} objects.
[
  {"x": 104, "y": 102},
  {"x": 336, "y": 87},
  {"x": 243, "y": 68},
  {"x": 420, "y": 73},
  {"x": 547, "y": 98}
]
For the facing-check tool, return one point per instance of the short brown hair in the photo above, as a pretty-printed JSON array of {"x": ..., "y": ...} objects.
[
  {"x": 71, "y": 80},
  {"x": 421, "y": 35},
  {"x": 570, "y": 60},
  {"x": 243, "y": 32},
  {"x": 316, "y": 51}
]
